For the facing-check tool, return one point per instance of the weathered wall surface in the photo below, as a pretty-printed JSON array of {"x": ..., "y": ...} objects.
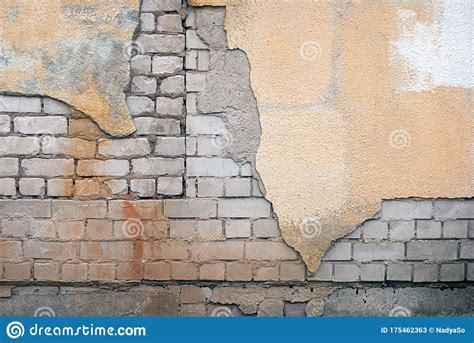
[
  {"x": 359, "y": 101},
  {"x": 71, "y": 50}
]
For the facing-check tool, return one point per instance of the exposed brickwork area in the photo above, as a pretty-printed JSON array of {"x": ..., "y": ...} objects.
[{"x": 178, "y": 201}]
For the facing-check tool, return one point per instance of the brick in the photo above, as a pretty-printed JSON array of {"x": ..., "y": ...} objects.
[
  {"x": 60, "y": 187},
  {"x": 191, "y": 103},
  {"x": 238, "y": 272},
  {"x": 375, "y": 229},
  {"x": 9, "y": 167},
  {"x": 98, "y": 229},
  {"x": 117, "y": 187},
  {"x": 140, "y": 105},
  {"x": 52, "y": 106},
  {"x": 129, "y": 271},
  {"x": 271, "y": 251},
  {"x": 204, "y": 60},
  {"x": 139, "y": 209},
  {"x": 4, "y": 124},
  {"x": 32, "y": 186},
  {"x": 402, "y": 230},
  {"x": 191, "y": 188},
  {"x": 244, "y": 208},
  {"x": 157, "y": 271},
  {"x": 102, "y": 272},
  {"x": 339, "y": 251},
  {"x": 467, "y": 250},
  {"x": 204, "y": 125},
  {"x": 196, "y": 82},
  {"x": 170, "y": 23},
  {"x": 160, "y": 43},
  {"x": 190, "y": 208},
  {"x": 7, "y": 187},
  {"x": 143, "y": 187},
  {"x": 194, "y": 295},
  {"x": 372, "y": 272},
  {"x": 71, "y": 147},
  {"x": 210, "y": 230},
  {"x": 102, "y": 168},
  {"x": 88, "y": 188},
  {"x": 470, "y": 272},
  {"x": 428, "y": 229},
  {"x": 292, "y": 272},
  {"x": 193, "y": 41},
  {"x": 70, "y": 230},
  {"x": 147, "y": 22},
  {"x": 210, "y": 146},
  {"x": 168, "y": 250},
  {"x": 165, "y": 65},
  {"x": 32, "y": 208},
  {"x": 208, "y": 187},
  {"x": 170, "y": 107},
  {"x": 432, "y": 251},
  {"x": 76, "y": 210},
  {"x": 19, "y": 104},
  {"x": 173, "y": 85},
  {"x": 50, "y": 250},
  {"x": 185, "y": 229},
  {"x": 399, "y": 272},
  {"x": 46, "y": 271},
  {"x": 48, "y": 167},
  {"x": 239, "y": 228},
  {"x": 170, "y": 185},
  {"x": 10, "y": 250},
  {"x": 346, "y": 272},
  {"x": 17, "y": 271},
  {"x": 425, "y": 272},
  {"x": 40, "y": 125},
  {"x": 192, "y": 310},
  {"x": 157, "y": 126},
  {"x": 161, "y": 5},
  {"x": 106, "y": 251},
  {"x": 191, "y": 59},
  {"x": 452, "y": 272},
  {"x": 406, "y": 209},
  {"x": 207, "y": 251},
  {"x": 74, "y": 272},
  {"x": 356, "y": 234},
  {"x": 19, "y": 146},
  {"x": 170, "y": 146},
  {"x": 265, "y": 273},
  {"x": 157, "y": 166},
  {"x": 237, "y": 187},
  {"x": 143, "y": 85},
  {"x": 266, "y": 228},
  {"x": 124, "y": 147},
  {"x": 219, "y": 167},
  {"x": 324, "y": 272},
  {"x": 214, "y": 271},
  {"x": 184, "y": 271},
  {"x": 463, "y": 209},
  {"x": 141, "y": 64},
  {"x": 191, "y": 19},
  {"x": 378, "y": 251},
  {"x": 455, "y": 229}
]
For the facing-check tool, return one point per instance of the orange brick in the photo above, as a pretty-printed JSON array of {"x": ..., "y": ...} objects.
[
  {"x": 17, "y": 271},
  {"x": 169, "y": 250},
  {"x": 102, "y": 272},
  {"x": 184, "y": 271},
  {"x": 157, "y": 271},
  {"x": 52, "y": 250},
  {"x": 88, "y": 188},
  {"x": 99, "y": 229},
  {"x": 212, "y": 271},
  {"x": 107, "y": 250},
  {"x": 74, "y": 272},
  {"x": 292, "y": 272},
  {"x": 70, "y": 230},
  {"x": 266, "y": 274},
  {"x": 207, "y": 251},
  {"x": 269, "y": 251},
  {"x": 129, "y": 271},
  {"x": 46, "y": 271},
  {"x": 10, "y": 250},
  {"x": 141, "y": 209},
  {"x": 238, "y": 272}
]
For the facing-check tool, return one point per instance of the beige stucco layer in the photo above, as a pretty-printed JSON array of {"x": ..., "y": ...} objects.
[
  {"x": 339, "y": 132},
  {"x": 72, "y": 50}
]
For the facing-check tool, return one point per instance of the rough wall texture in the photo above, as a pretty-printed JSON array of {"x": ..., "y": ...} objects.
[{"x": 180, "y": 202}]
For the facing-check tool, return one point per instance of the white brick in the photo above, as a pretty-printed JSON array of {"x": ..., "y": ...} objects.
[
  {"x": 124, "y": 147},
  {"x": 7, "y": 187},
  {"x": 406, "y": 209},
  {"x": 346, "y": 272},
  {"x": 4, "y": 124},
  {"x": 157, "y": 126},
  {"x": 402, "y": 230},
  {"x": 170, "y": 146},
  {"x": 265, "y": 228},
  {"x": 399, "y": 272},
  {"x": 173, "y": 85},
  {"x": 117, "y": 187},
  {"x": 60, "y": 187},
  {"x": 193, "y": 41},
  {"x": 32, "y": 186},
  {"x": 239, "y": 228},
  {"x": 9, "y": 166},
  {"x": 163, "y": 65},
  {"x": 147, "y": 22},
  {"x": 196, "y": 82},
  {"x": 190, "y": 208},
  {"x": 455, "y": 229},
  {"x": 168, "y": 185},
  {"x": 426, "y": 229},
  {"x": 372, "y": 272},
  {"x": 204, "y": 59},
  {"x": 169, "y": 107},
  {"x": 191, "y": 59},
  {"x": 375, "y": 229},
  {"x": 244, "y": 208},
  {"x": 210, "y": 187},
  {"x": 237, "y": 187},
  {"x": 52, "y": 106},
  {"x": 48, "y": 167},
  {"x": 40, "y": 125},
  {"x": 378, "y": 251},
  {"x": 139, "y": 105},
  {"x": 141, "y": 64},
  {"x": 158, "y": 166},
  {"x": 102, "y": 168},
  {"x": 219, "y": 167},
  {"x": 143, "y": 187},
  {"x": 161, "y": 5},
  {"x": 161, "y": 43},
  {"x": 19, "y": 104},
  {"x": 143, "y": 85},
  {"x": 204, "y": 125},
  {"x": 209, "y": 146},
  {"x": 339, "y": 251},
  {"x": 170, "y": 23}
]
